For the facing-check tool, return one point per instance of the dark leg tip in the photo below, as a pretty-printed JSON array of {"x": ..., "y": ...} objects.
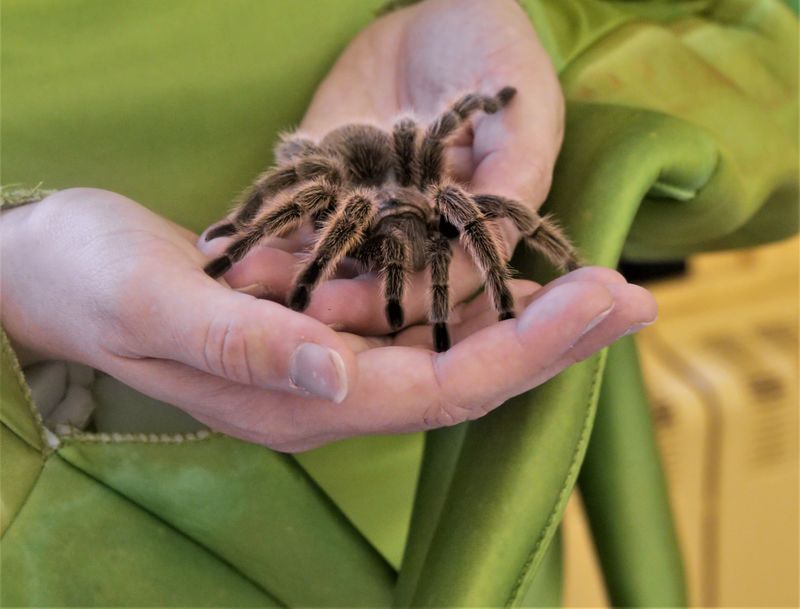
[
  {"x": 506, "y": 315},
  {"x": 447, "y": 229},
  {"x": 394, "y": 313},
  {"x": 505, "y": 95},
  {"x": 218, "y": 267},
  {"x": 441, "y": 337},
  {"x": 223, "y": 230},
  {"x": 572, "y": 265},
  {"x": 490, "y": 106},
  {"x": 468, "y": 105},
  {"x": 300, "y": 298}
]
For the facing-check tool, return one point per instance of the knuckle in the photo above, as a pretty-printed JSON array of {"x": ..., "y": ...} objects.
[
  {"x": 125, "y": 312},
  {"x": 281, "y": 428},
  {"x": 446, "y": 410},
  {"x": 225, "y": 349}
]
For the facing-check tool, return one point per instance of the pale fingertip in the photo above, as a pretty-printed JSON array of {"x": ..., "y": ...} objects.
[
  {"x": 257, "y": 290},
  {"x": 575, "y": 306},
  {"x": 600, "y": 274},
  {"x": 637, "y": 327},
  {"x": 640, "y": 304},
  {"x": 212, "y": 248}
]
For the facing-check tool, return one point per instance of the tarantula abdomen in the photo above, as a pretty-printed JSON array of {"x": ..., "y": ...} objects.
[{"x": 383, "y": 198}]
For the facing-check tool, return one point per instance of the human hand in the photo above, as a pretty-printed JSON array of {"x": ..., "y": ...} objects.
[
  {"x": 92, "y": 277},
  {"x": 418, "y": 60}
]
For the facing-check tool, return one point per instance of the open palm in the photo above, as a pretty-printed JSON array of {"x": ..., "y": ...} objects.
[{"x": 417, "y": 61}]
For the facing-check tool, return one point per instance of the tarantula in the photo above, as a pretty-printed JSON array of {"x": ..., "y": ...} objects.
[{"x": 383, "y": 199}]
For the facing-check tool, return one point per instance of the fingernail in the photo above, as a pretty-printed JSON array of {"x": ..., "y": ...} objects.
[
  {"x": 596, "y": 321},
  {"x": 320, "y": 371},
  {"x": 259, "y": 290},
  {"x": 636, "y": 327}
]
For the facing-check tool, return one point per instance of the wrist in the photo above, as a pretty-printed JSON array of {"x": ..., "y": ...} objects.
[
  {"x": 35, "y": 311},
  {"x": 16, "y": 238}
]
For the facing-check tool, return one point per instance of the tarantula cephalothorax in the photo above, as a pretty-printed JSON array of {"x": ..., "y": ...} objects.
[{"x": 383, "y": 199}]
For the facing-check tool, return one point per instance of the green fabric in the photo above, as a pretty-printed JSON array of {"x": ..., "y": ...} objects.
[
  {"x": 442, "y": 451},
  {"x": 78, "y": 541},
  {"x": 545, "y": 589},
  {"x": 250, "y": 513},
  {"x": 624, "y": 492},
  {"x": 255, "y": 509},
  {"x": 17, "y": 480},
  {"x": 14, "y": 196},
  {"x": 22, "y": 419},
  {"x": 510, "y": 486},
  {"x": 730, "y": 70},
  {"x": 680, "y": 132},
  {"x": 174, "y": 103}
]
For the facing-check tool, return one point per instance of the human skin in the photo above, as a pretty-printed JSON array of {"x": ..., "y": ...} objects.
[
  {"x": 93, "y": 277},
  {"x": 416, "y": 61}
]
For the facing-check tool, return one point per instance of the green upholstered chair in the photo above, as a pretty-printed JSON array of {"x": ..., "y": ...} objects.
[{"x": 681, "y": 137}]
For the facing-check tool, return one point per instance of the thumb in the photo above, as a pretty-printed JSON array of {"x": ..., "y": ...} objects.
[{"x": 249, "y": 341}]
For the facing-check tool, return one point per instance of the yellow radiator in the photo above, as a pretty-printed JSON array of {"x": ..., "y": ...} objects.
[{"x": 721, "y": 367}]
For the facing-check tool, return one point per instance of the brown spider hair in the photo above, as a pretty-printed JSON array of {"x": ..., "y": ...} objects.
[{"x": 383, "y": 198}]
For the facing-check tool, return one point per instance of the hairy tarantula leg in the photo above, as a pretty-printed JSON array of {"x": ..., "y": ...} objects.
[
  {"x": 404, "y": 136},
  {"x": 431, "y": 153},
  {"x": 294, "y": 146},
  {"x": 490, "y": 104},
  {"x": 439, "y": 256},
  {"x": 276, "y": 221},
  {"x": 272, "y": 182},
  {"x": 388, "y": 254},
  {"x": 393, "y": 270},
  {"x": 266, "y": 185},
  {"x": 343, "y": 232},
  {"x": 541, "y": 233},
  {"x": 459, "y": 209},
  {"x": 223, "y": 230}
]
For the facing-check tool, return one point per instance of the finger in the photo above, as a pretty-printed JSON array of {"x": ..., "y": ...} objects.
[
  {"x": 269, "y": 269},
  {"x": 265, "y": 272},
  {"x": 468, "y": 317},
  {"x": 635, "y": 309},
  {"x": 358, "y": 305},
  {"x": 477, "y": 374},
  {"x": 253, "y": 414},
  {"x": 479, "y": 313},
  {"x": 515, "y": 150},
  {"x": 399, "y": 389},
  {"x": 352, "y": 303},
  {"x": 245, "y": 340}
]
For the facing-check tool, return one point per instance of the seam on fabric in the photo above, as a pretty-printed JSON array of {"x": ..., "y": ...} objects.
[
  {"x": 28, "y": 494},
  {"x": 8, "y": 352},
  {"x": 174, "y": 528},
  {"x": 78, "y": 438},
  {"x": 551, "y": 522},
  {"x": 74, "y": 436}
]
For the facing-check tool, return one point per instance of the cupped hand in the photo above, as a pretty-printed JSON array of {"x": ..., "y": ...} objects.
[
  {"x": 417, "y": 61},
  {"x": 91, "y": 276}
]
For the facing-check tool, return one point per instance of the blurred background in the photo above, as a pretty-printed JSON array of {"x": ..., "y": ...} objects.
[{"x": 721, "y": 367}]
